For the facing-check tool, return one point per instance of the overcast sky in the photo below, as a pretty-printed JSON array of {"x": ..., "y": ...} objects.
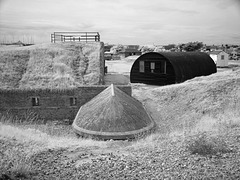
[{"x": 124, "y": 21}]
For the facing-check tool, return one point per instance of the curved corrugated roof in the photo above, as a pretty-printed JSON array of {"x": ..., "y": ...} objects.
[
  {"x": 112, "y": 114},
  {"x": 186, "y": 65}
]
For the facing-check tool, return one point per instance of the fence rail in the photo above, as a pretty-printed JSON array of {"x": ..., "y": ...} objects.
[{"x": 74, "y": 36}]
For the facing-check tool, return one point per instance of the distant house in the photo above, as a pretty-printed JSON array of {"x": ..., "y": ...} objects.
[
  {"x": 19, "y": 43},
  {"x": 121, "y": 52},
  {"x": 107, "y": 56},
  {"x": 107, "y": 48},
  {"x": 132, "y": 47},
  {"x": 220, "y": 58},
  {"x": 107, "y": 53},
  {"x": 211, "y": 48},
  {"x": 116, "y": 57},
  {"x": 129, "y": 52}
]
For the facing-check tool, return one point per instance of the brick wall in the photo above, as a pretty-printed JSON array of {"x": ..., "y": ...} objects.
[{"x": 53, "y": 104}]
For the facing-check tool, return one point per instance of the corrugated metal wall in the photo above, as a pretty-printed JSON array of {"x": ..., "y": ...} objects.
[{"x": 180, "y": 66}]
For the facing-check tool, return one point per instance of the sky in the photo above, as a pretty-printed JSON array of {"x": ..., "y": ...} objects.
[{"x": 143, "y": 22}]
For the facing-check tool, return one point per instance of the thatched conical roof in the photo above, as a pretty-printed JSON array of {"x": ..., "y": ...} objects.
[{"x": 112, "y": 114}]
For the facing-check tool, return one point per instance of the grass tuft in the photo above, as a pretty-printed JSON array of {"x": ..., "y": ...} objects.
[
  {"x": 17, "y": 165},
  {"x": 29, "y": 117},
  {"x": 204, "y": 143}
]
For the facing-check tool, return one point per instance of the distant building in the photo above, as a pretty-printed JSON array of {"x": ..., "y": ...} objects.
[
  {"x": 107, "y": 48},
  {"x": 165, "y": 68},
  {"x": 19, "y": 43},
  {"x": 132, "y": 47},
  {"x": 108, "y": 56},
  {"x": 220, "y": 58},
  {"x": 129, "y": 52},
  {"x": 119, "y": 52},
  {"x": 211, "y": 48},
  {"x": 107, "y": 52},
  {"x": 116, "y": 57}
]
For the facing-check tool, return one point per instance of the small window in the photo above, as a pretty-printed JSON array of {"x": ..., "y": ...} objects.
[
  {"x": 222, "y": 57},
  {"x": 35, "y": 101},
  {"x": 152, "y": 66},
  {"x": 73, "y": 101},
  {"x": 141, "y": 66}
]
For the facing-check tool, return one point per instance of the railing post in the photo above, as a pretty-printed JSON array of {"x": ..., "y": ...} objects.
[{"x": 74, "y": 36}]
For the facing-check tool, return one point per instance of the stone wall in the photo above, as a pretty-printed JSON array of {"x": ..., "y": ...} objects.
[{"x": 51, "y": 104}]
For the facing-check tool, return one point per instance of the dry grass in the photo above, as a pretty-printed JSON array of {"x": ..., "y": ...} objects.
[
  {"x": 198, "y": 128},
  {"x": 22, "y": 141},
  {"x": 178, "y": 106},
  {"x": 208, "y": 138},
  {"x": 18, "y": 166},
  {"x": 206, "y": 144},
  {"x": 59, "y": 65},
  {"x": 12, "y": 67}
]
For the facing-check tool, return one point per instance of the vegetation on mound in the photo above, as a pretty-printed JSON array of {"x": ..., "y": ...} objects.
[
  {"x": 60, "y": 65},
  {"x": 12, "y": 67},
  {"x": 176, "y": 106},
  {"x": 198, "y": 138},
  {"x": 34, "y": 151}
]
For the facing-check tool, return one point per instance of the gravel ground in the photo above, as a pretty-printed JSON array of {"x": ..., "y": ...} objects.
[{"x": 165, "y": 159}]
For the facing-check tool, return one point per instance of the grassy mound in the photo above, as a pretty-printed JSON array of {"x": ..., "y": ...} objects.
[
  {"x": 51, "y": 65},
  {"x": 36, "y": 151},
  {"x": 12, "y": 67},
  {"x": 181, "y": 106},
  {"x": 197, "y": 138}
]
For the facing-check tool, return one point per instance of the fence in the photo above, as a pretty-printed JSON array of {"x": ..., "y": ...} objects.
[{"x": 75, "y": 36}]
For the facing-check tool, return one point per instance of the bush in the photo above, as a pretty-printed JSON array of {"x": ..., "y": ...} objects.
[
  {"x": 15, "y": 166},
  {"x": 29, "y": 117},
  {"x": 204, "y": 143}
]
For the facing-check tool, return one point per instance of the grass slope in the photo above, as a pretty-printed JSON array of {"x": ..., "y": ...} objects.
[
  {"x": 178, "y": 106},
  {"x": 59, "y": 65},
  {"x": 198, "y": 138},
  {"x": 12, "y": 67}
]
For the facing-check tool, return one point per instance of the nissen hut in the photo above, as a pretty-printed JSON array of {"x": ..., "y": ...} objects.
[{"x": 171, "y": 67}]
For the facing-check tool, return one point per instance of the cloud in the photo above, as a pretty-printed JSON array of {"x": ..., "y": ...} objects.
[
  {"x": 157, "y": 7},
  {"x": 223, "y": 4},
  {"x": 126, "y": 21}
]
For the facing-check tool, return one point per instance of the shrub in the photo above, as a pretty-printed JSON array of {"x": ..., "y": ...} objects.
[
  {"x": 15, "y": 166},
  {"x": 7, "y": 117},
  {"x": 204, "y": 143},
  {"x": 29, "y": 117}
]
